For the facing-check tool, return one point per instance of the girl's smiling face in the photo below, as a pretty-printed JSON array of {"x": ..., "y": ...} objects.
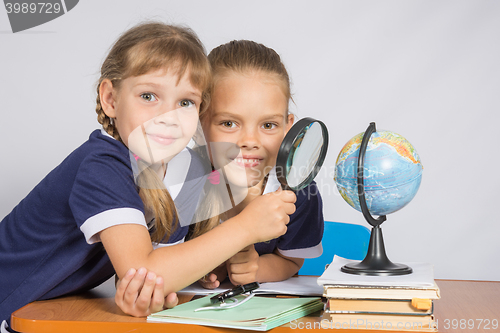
[
  {"x": 246, "y": 124},
  {"x": 156, "y": 114}
]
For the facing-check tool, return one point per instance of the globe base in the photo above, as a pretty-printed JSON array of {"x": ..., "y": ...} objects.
[
  {"x": 376, "y": 261},
  {"x": 366, "y": 269}
]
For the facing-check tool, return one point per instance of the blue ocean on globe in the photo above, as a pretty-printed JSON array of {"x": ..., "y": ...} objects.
[{"x": 392, "y": 172}]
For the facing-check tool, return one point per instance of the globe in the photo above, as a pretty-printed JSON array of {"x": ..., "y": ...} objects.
[{"x": 392, "y": 172}]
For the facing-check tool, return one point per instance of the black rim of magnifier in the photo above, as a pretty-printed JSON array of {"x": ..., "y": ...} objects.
[
  {"x": 286, "y": 147},
  {"x": 376, "y": 261}
]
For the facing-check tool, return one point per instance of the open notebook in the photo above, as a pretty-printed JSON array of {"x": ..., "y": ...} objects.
[
  {"x": 259, "y": 313},
  {"x": 296, "y": 285}
]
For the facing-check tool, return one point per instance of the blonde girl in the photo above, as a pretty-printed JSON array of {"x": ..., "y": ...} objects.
[
  {"x": 245, "y": 124},
  {"x": 92, "y": 215}
]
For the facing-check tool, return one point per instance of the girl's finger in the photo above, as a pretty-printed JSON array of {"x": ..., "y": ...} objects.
[
  {"x": 171, "y": 300},
  {"x": 211, "y": 285},
  {"x": 215, "y": 284},
  {"x": 158, "y": 299},
  {"x": 122, "y": 286},
  {"x": 240, "y": 257},
  {"x": 211, "y": 278},
  {"x": 239, "y": 268},
  {"x": 134, "y": 287},
  {"x": 241, "y": 278},
  {"x": 123, "y": 282},
  {"x": 146, "y": 294}
]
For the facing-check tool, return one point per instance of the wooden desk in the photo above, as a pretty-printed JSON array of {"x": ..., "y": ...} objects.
[{"x": 96, "y": 312}]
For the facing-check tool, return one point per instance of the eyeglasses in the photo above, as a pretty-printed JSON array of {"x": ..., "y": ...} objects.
[{"x": 228, "y": 299}]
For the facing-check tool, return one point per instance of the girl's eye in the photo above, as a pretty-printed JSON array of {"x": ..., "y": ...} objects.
[
  {"x": 148, "y": 97},
  {"x": 185, "y": 103},
  {"x": 269, "y": 126},
  {"x": 228, "y": 124}
]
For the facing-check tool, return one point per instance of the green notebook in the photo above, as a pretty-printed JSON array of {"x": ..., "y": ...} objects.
[{"x": 258, "y": 314}]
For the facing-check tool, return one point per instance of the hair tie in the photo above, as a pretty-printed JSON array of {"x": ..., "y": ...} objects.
[{"x": 214, "y": 177}]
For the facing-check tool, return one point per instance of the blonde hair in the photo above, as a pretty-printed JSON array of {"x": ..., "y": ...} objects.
[
  {"x": 241, "y": 56},
  {"x": 143, "y": 48}
]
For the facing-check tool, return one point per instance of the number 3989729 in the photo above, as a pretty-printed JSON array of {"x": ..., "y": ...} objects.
[{"x": 33, "y": 7}]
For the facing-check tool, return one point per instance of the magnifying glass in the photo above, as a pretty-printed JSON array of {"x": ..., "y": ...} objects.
[{"x": 302, "y": 154}]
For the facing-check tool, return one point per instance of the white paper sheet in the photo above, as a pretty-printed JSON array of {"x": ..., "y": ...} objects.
[
  {"x": 298, "y": 285},
  {"x": 422, "y": 276}
]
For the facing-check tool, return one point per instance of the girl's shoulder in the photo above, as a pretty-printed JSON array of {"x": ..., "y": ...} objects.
[
  {"x": 308, "y": 194},
  {"x": 101, "y": 141},
  {"x": 102, "y": 146},
  {"x": 100, "y": 152},
  {"x": 99, "y": 147}
]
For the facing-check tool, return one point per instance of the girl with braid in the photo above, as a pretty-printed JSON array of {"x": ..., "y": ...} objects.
[{"x": 98, "y": 212}]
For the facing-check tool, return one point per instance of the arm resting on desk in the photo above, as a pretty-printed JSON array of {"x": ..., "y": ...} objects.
[{"x": 129, "y": 245}]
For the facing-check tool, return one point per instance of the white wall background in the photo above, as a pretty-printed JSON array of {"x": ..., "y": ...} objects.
[{"x": 426, "y": 69}]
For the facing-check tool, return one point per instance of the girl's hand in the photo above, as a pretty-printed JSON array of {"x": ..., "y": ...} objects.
[
  {"x": 266, "y": 216},
  {"x": 243, "y": 266},
  {"x": 140, "y": 293},
  {"x": 213, "y": 279}
]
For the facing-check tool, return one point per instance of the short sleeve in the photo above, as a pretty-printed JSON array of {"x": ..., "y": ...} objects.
[
  {"x": 305, "y": 230},
  {"x": 104, "y": 194}
]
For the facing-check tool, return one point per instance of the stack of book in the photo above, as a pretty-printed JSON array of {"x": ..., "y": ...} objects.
[{"x": 402, "y": 303}]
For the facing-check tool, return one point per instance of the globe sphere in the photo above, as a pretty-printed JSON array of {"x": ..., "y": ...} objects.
[{"x": 392, "y": 172}]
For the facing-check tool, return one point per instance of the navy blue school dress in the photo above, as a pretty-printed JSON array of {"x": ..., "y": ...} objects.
[
  {"x": 49, "y": 243},
  {"x": 305, "y": 229}
]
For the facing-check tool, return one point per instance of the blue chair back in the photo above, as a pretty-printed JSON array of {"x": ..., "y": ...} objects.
[{"x": 346, "y": 240}]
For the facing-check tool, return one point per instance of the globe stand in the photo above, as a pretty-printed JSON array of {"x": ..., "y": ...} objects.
[{"x": 376, "y": 261}]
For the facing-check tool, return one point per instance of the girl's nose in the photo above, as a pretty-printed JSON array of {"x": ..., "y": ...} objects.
[
  {"x": 249, "y": 139},
  {"x": 169, "y": 118}
]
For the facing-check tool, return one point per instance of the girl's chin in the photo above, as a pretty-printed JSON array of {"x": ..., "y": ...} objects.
[
  {"x": 240, "y": 177},
  {"x": 157, "y": 159},
  {"x": 249, "y": 183}
]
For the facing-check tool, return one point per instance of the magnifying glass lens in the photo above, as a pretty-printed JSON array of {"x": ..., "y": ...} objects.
[{"x": 302, "y": 153}]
